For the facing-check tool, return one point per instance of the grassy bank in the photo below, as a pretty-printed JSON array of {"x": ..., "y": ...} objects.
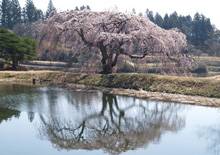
[{"x": 207, "y": 87}]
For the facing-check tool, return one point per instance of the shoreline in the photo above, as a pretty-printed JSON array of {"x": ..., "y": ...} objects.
[
  {"x": 83, "y": 82},
  {"x": 154, "y": 96}
]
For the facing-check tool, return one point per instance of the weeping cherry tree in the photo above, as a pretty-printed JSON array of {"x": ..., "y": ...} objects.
[{"x": 114, "y": 33}]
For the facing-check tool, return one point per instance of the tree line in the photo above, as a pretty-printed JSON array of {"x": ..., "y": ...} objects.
[
  {"x": 12, "y": 13},
  {"x": 202, "y": 36}
]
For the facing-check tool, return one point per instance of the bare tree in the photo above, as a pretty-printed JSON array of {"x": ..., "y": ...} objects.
[{"x": 114, "y": 33}]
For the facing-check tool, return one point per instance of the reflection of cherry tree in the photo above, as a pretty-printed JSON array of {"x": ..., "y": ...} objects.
[
  {"x": 212, "y": 135},
  {"x": 115, "y": 128}
]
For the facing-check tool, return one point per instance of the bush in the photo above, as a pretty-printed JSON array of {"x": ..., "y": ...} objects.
[
  {"x": 201, "y": 68},
  {"x": 3, "y": 66},
  {"x": 126, "y": 67}
]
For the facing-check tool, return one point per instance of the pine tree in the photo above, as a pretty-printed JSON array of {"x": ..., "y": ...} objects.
[
  {"x": 202, "y": 30},
  {"x": 30, "y": 11},
  {"x": 158, "y": 19},
  {"x": 88, "y": 7},
  {"x": 38, "y": 14},
  {"x": 196, "y": 29},
  {"x": 50, "y": 9},
  {"x": 134, "y": 11},
  {"x": 14, "y": 48},
  {"x": 82, "y": 7},
  {"x": 4, "y": 15},
  {"x": 140, "y": 14},
  {"x": 166, "y": 24},
  {"x": 9, "y": 16},
  {"x": 150, "y": 15},
  {"x": 23, "y": 15},
  {"x": 76, "y": 8},
  {"x": 173, "y": 20},
  {"x": 188, "y": 27},
  {"x": 15, "y": 13}
]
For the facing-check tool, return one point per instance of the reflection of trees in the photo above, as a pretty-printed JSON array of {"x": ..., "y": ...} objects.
[
  {"x": 115, "y": 128},
  {"x": 13, "y": 95},
  {"x": 212, "y": 135},
  {"x": 77, "y": 120},
  {"x": 6, "y": 114}
]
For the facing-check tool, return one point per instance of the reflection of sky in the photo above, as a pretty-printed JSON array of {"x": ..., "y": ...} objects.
[
  {"x": 25, "y": 137},
  {"x": 187, "y": 141},
  {"x": 73, "y": 107},
  {"x": 184, "y": 142}
]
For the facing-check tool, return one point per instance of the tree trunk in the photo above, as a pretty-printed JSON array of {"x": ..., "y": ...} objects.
[
  {"x": 14, "y": 63},
  {"x": 108, "y": 64},
  {"x": 109, "y": 59},
  {"x": 107, "y": 69}
]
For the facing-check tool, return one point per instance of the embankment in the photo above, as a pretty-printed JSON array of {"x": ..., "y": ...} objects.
[{"x": 201, "y": 91}]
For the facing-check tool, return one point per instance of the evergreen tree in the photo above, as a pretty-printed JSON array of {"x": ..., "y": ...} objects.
[
  {"x": 173, "y": 20},
  {"x": 9, "y": 16},
  {"x": 202, "y": 30},
  {"x": 185, "y": 25},
  {"x": 30, "y": 11},
  {"x": 196, "y": 28},
  {"x": 150, "y": 15},
  {"x": 134, "y": 11},
  {"x": 76, "y": 9},
  {"x": 188, "y": 27},
  {"x": 23, "y": 15},
  {"x": 158, "y": 19},
  {"x": 199, "y": 31},
  {"x": 140, "y": 14},
  {"x": 50, "y": 9},
  {"x": 88, "y": 7},
  {"x": 166, "y": 24},
  {"x": 38, "y": 14},
  {"x": 4, "y": 13},
  {"x": 14, "y": 48},
  {"x": 82, "y": 7},
  {"x": 15, "y": 13}
]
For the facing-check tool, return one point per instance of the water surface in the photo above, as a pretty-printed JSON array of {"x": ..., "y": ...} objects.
[{"x": 46, "y": 120}]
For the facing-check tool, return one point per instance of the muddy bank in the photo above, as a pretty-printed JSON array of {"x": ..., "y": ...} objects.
[{"x": 187, "y": 90}]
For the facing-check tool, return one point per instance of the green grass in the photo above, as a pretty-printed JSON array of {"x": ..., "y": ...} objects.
[
  {"x": 208, "y": 87},
  {"x": 25, "y": 77},
  {"x": 214, "y": 68},
  {"x": 209, "y": 61}
]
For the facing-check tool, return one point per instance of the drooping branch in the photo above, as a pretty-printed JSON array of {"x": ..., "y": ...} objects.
[{"x": 114, "y": 33}]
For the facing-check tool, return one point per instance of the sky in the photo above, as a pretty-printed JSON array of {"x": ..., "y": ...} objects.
[{"x": 209, "y": 8}]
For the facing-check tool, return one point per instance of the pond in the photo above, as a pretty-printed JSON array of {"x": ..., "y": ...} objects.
[{"x": 46, "y": 120}]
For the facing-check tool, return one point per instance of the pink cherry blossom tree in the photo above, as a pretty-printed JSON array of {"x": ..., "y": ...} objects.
[{"x": 115, "y": 33}]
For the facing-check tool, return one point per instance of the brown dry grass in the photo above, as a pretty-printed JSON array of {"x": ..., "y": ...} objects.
[{"x": 26, "y": 72}]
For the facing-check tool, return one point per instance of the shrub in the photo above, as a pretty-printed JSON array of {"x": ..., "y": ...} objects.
[
  {"x": 200, "y": 68},
  {"x": 126, "y": 67}
]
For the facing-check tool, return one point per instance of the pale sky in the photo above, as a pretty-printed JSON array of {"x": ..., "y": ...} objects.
[{"x": 210, "y": 8}]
